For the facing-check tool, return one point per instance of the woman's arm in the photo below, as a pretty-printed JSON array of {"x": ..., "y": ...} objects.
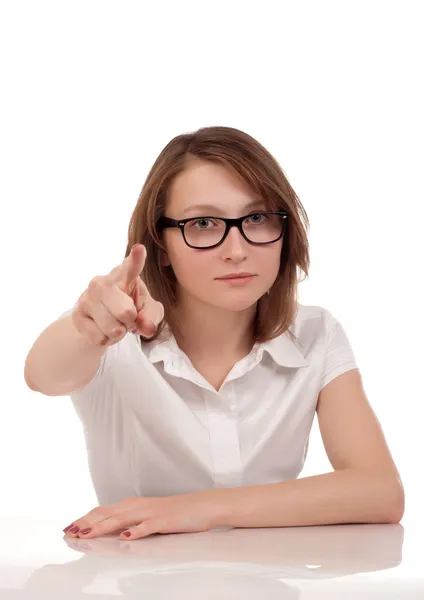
[
  {"x": 365, "y": 486},
  {"x": 61, "y": 360}
]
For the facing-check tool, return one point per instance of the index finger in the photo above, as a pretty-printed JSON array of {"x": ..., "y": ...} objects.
[{"x": 131, "y": 268}]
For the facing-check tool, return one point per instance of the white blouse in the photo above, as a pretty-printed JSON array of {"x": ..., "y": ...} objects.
[{"x": 154, "y": 426}]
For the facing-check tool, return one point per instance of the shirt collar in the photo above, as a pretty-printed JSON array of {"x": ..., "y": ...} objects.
[
  {"x": 282, "y": 349},
  {"x": 285, "y": 352}
]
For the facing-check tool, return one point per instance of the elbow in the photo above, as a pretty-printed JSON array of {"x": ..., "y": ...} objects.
[
  {"x": 27, "y": 378},
  {"x": 397, "y": 513},
  {"x": 397, "y": 504},
  {"x": 30, "y": 383}
]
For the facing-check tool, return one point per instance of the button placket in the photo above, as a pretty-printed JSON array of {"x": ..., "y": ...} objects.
[{"x": 224, "y": 435}]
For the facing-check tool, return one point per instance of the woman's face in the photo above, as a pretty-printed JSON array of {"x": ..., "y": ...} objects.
[{"x": 208, "y": 189}]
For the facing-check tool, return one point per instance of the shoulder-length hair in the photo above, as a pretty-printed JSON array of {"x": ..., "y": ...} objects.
[{"x": 236, "y": 149}]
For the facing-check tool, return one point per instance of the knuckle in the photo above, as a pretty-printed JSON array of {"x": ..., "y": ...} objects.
[
  {"x": 83, "y": 304},
  {"x": 77, "y": 315},
  {"x": 93, "y": 289},
  {"x": 116, "y": 332},
  {"x": 128, "y": 313},
  {"x": 95, "y": 283}
]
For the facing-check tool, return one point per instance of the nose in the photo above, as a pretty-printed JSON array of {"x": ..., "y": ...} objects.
[{"x": 234, "y": 247}]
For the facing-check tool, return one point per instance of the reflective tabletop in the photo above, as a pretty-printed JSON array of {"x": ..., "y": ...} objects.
[{"x": 337, "y": 561}]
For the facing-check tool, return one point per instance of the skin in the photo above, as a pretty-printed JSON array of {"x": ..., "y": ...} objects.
[
  {"x": 216, "y": 332},
  {"x": 365, "y": 486},
  {"x": 217, "y": 318}
]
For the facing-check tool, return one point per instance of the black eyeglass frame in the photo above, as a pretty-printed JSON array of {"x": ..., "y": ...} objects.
[{"x": 166, "y": 222}]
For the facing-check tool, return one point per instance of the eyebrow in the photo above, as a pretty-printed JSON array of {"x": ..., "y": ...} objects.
[{"x": 217, "y": 210}]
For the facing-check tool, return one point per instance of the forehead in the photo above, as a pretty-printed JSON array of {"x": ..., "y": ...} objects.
[{"x": 207, "y": 183}]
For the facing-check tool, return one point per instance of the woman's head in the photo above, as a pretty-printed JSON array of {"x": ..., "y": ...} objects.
[{"x": 221, "y": 172}]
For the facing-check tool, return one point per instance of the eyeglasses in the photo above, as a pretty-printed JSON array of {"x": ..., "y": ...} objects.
[{"x": 207, "y": 232}]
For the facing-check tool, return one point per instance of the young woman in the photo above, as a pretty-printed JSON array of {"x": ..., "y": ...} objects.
[{"x": 197, "y": 374}]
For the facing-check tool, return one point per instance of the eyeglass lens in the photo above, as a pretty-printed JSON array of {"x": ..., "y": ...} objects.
[{"x": 257, "y": 228}]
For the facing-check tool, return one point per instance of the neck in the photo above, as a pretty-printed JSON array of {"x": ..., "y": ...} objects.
[{"x": 204, "y": 331}]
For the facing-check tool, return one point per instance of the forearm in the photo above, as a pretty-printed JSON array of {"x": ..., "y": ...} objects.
[
  {"x": 344, "y": 496},
  {"x": 61, "y": 360}
]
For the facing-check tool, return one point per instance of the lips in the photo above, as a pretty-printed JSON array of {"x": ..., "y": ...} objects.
[{"x": 236, "y": 276}]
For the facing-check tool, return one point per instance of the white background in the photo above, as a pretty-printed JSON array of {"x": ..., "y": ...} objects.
[{"x": 91, "y": 93}]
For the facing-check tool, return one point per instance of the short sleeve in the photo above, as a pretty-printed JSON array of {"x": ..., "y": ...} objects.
[{"x": 339, "y": 356}]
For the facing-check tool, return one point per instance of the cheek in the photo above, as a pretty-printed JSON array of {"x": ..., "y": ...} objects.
[
  {"x": 191, "y": 266},
  {"x": 269, "y": 259},
  {"x": 270, "y": 266},
  {"x": 276, "y": 260}
]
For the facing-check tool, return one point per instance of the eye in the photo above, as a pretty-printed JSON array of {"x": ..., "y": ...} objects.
[
  {"x": 201, "y": 223},
  {"x": 257, "y": 218}
]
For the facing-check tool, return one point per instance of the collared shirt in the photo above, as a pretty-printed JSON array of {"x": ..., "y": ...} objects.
[{"x": 154, "y": 426}]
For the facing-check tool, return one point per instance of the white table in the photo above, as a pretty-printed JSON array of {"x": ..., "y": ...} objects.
[{"x": 329, "y": 562}]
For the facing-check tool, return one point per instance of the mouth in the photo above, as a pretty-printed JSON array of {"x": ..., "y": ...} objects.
[
  {"x": 239, "y": 279},
  {"x": 237, "y": 276}
]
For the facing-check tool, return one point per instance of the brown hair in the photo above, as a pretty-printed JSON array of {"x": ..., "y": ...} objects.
[{"x": 236, "y": 149}]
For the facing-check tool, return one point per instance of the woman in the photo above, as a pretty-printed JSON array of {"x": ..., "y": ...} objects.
[{"x": 202, "y": 418}]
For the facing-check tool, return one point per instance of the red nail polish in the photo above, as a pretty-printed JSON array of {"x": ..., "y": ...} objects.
[
  {"x": 127, "y": 533},
  {"x": 74, "y": 529},
  {"x": 85, "y": 531},
  {"x": 67, "y": 528}
]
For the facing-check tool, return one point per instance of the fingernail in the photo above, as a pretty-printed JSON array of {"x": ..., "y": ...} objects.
[
  {"x": 127, "y": 533},
  {"x": 67, "y": 528},
  {"x": 85, "y": 531},
  {"x": 74, "y": 530}
]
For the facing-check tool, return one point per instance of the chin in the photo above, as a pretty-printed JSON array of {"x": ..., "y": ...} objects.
[{"x": 233, "y": 304}]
